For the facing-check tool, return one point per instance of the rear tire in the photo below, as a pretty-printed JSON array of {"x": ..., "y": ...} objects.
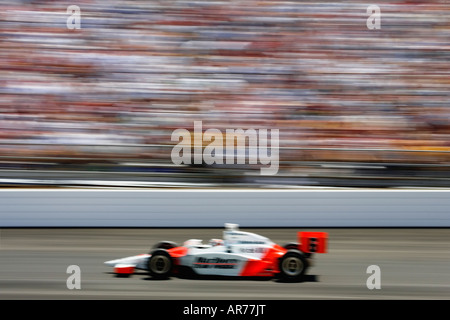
[
  {"x": 160, "y": 264},
  {"x": 293, "y": 266},
  {"x": 292, "y": 245}
]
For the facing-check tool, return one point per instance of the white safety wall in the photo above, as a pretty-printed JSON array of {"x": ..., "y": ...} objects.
[{"x": 212, "y": 208}]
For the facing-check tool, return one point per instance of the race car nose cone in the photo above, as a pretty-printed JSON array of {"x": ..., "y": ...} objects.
[{"x": 111, "y": 263}]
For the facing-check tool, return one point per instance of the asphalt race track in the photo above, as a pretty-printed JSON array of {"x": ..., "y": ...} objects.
[{"x": 414, "y": 264}]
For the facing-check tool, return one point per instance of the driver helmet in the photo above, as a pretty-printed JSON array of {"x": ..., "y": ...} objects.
[{"x": 216, "y": 242}]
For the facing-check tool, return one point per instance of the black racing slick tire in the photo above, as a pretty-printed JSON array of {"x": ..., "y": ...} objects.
[
  {"x": 160, "y": 264},
  {"x": 165, "y": 245},
  {"x": 293, "y": 266},
  {"x": 292, "y": 245}
]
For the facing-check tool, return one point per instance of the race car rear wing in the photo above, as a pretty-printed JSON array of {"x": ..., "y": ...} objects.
[{"x": 313, "y": 242}]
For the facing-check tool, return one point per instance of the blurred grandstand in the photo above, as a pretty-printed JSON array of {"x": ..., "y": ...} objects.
[{"x": 97, "y": 106}]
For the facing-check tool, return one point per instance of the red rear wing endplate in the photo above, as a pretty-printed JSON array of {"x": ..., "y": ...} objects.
[{"x": 313, "y": 242}]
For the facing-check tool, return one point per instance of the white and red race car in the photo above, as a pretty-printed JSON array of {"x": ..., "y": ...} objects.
[{"x": 238, "y": 254}]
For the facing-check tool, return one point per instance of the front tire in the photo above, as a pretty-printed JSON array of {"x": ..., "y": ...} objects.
[
  {"x": 160, "y": 264},
  {"x": 293, "y": 266},
  {"x": 165, "y": 245}
]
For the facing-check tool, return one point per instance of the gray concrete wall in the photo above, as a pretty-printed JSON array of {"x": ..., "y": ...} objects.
[{"x": 212, "y": 208}]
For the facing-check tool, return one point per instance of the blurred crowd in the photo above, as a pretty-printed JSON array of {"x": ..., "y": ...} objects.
[{"x": 137, "y": 70}]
